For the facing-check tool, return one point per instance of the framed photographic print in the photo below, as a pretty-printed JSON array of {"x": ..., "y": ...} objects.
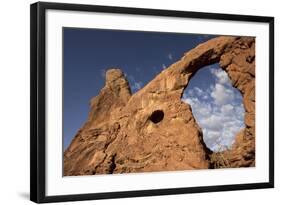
[{"x": 129, "y": 102}]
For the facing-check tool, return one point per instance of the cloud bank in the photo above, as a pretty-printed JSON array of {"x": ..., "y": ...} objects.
[{"x": 218, "y": 110}]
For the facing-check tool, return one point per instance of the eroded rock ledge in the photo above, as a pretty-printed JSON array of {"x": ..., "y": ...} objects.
[{"x": 153, "y": 130}]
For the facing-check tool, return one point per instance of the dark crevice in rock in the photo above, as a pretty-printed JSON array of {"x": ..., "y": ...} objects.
[
  {"x": 112, "y": 165},
  {"x": 157, "y": 116}
]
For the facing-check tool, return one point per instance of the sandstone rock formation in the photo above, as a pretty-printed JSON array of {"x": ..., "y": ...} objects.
[{"x": 153, "y": 130}]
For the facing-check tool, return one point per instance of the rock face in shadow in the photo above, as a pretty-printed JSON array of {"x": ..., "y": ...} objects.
[{"x": 153, "y": 130}]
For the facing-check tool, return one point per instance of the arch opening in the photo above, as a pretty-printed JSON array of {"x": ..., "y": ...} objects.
[{"x": 216, "y": 105}]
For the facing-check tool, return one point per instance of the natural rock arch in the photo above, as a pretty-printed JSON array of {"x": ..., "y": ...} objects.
[{"x": 118, "y": 131}]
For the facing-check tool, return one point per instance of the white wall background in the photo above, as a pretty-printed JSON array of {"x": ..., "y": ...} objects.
[{"x": 14, "y": 100}]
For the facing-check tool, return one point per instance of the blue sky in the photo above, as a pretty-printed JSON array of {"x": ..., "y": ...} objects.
[{"x": 141, "y": 56}]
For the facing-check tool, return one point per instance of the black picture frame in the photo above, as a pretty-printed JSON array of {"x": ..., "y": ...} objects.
[{"x": 38, "y": 103}]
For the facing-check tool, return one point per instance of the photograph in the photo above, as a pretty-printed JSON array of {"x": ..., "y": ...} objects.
[
  {"x": 134, "y": 102},
  {"x": 143, "y": 101}
]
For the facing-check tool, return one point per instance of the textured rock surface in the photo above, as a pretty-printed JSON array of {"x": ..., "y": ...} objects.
[{"x": 153, "y": 130}]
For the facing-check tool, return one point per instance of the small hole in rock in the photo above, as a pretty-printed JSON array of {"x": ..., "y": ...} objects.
[{"x": 157, "y": 116}]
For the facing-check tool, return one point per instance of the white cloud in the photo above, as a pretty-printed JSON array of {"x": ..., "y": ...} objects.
[
  {"x": 228, "y": 108},
  {"x": 190, "y": 93},
  {"x": 199, "y": 108},
  {"x": 198, "y": 91},
  {"x": 205, "y": 96},
  {"x": 220, "y": 75},
  {"x": 213, "y": 122},
  {"x": 221, "y": 94},
  {"x": 170, "y": 56},
  {"x": 136, "y": 86},
  {"x": 164, "y": 66}
]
